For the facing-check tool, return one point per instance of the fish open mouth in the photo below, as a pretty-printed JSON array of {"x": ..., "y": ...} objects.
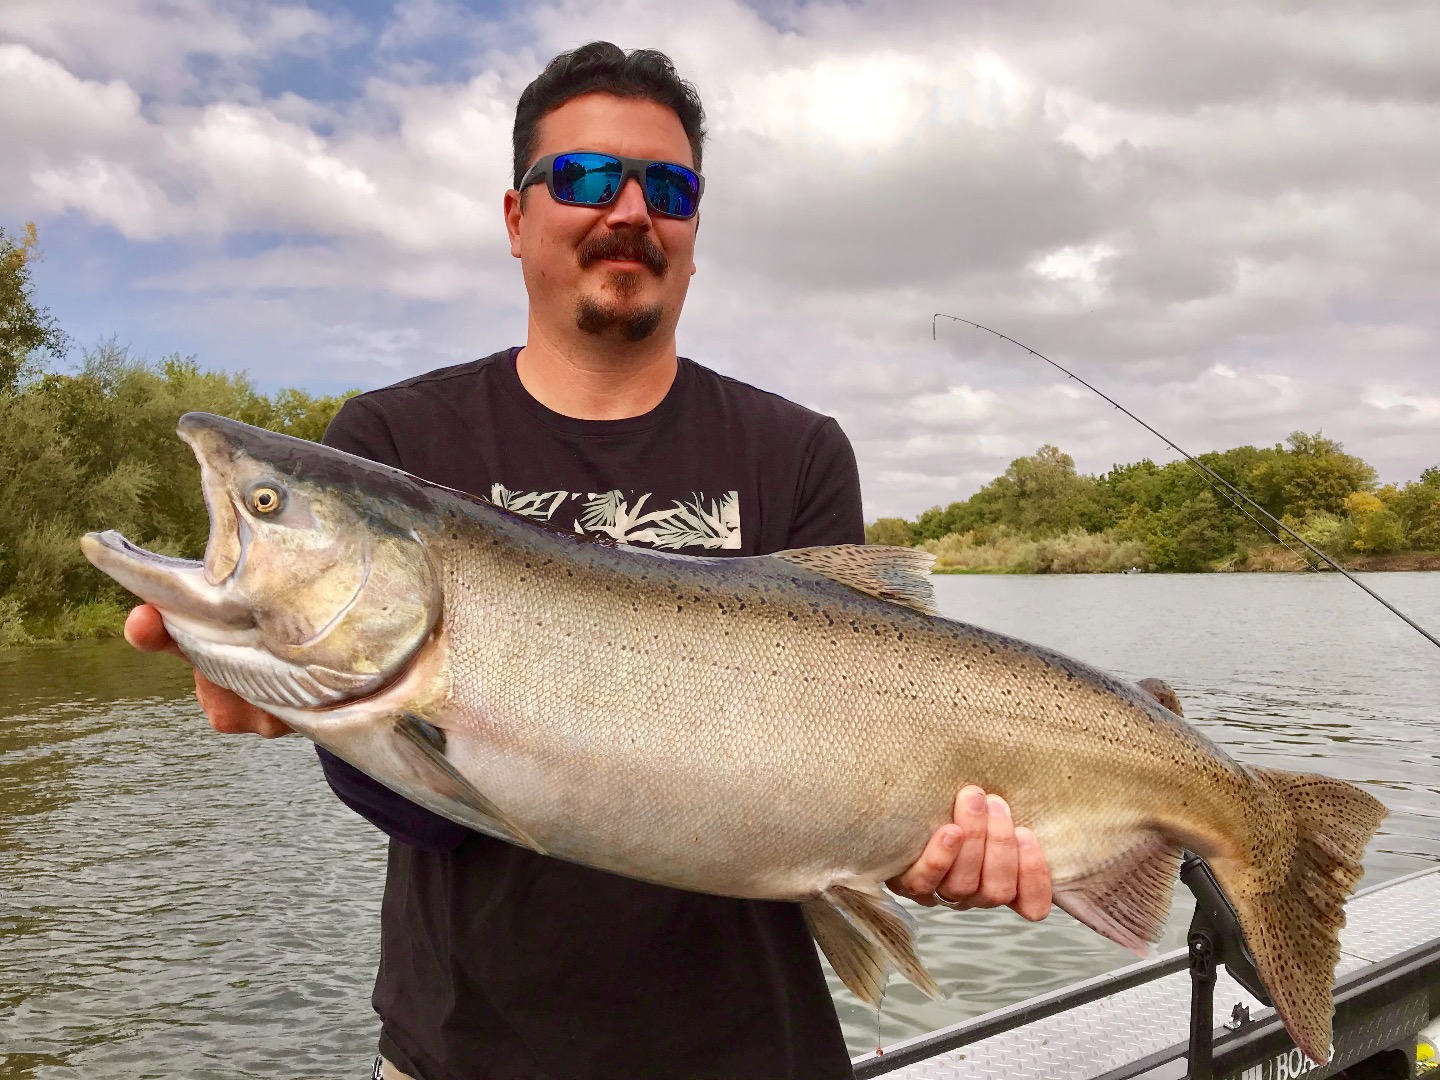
[
  {"x": 187, "y": 588},
  {"x": 175, "y": 586},
  {"x": 117, "y": 543}
]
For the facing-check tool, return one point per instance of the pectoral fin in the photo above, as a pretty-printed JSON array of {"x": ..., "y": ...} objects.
[
  {"x": 423, "y": 745},
  {"x": 864, "y": 933}
]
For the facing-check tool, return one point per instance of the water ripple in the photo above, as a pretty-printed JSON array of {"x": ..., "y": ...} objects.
[{"x": 177, "y": 902}]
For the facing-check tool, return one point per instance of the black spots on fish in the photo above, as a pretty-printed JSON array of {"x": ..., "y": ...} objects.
[{"x": 679, "y": 608}]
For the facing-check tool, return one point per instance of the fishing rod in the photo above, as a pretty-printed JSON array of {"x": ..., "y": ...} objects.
[{"x": 1225, "y": 487}]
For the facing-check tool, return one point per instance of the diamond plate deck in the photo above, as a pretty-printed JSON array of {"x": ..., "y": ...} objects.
[{"x": 1111, "y": 1032}]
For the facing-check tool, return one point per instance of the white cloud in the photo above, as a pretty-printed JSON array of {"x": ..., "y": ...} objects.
[
  {"x": 151, "y": 44},
  {"x": 1222, "y": 215}
]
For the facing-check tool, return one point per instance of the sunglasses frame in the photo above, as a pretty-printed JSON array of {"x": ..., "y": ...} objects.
[{"x": 544, "y": 169}]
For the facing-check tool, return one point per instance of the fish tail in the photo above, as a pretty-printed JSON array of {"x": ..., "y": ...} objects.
[{"x": 1291, "y": 909}]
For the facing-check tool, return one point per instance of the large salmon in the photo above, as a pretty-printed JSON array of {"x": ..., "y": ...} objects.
[{"x": 790, "y": 727}]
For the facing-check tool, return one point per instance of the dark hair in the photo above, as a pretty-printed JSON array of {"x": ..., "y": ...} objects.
[{"x": 601, "y": 67}]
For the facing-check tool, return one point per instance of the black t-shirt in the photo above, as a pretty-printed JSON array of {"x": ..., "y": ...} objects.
[{"x": 501, "y": 964}]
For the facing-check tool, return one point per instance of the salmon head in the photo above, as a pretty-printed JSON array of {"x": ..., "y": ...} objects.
[{"x": 316, "y": 588}]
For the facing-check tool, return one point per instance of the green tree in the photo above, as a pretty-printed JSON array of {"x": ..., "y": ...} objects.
[
  {"x": 25, "y": 329},
  {"x": 893, "y": 531},
  {"x": 1313, "y": 477},
  {"x": 1417, "y": 505},
  {"x": 96, "y": 449},
  {"x": 1377, "y": 528},
  {"x": 1044, "y": 494}
]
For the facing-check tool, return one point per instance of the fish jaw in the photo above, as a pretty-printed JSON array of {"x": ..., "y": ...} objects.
[{"x": 178, "y": 587}]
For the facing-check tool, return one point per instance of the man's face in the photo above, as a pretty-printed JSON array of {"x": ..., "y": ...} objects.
[{"x": 617, "y": 270}]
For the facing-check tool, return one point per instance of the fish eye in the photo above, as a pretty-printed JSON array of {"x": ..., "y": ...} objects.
[{"x": 265, "y": 499}]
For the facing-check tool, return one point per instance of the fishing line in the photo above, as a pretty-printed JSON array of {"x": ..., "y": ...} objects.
[{"x": 1211, "y": 476}]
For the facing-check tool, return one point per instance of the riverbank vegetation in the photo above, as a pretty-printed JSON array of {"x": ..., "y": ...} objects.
[
  {"x": 94, "y": 447},
  {"x": 1042, "y": 516}
]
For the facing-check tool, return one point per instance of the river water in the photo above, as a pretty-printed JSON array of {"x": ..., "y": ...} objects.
[{"x": 177, "y": 903}]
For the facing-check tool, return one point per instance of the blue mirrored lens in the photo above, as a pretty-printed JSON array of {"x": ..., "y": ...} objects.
[
  {"x": 586, "y": 179},
  {"x": 671, "y": 189}
]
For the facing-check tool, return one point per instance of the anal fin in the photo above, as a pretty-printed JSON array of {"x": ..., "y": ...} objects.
[
  {"x": 424, "y": 747},
  {"x": 1127, "y": 898},
  {"x": 864, "y": 934}
]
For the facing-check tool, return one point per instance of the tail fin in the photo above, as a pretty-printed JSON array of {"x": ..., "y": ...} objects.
[{"x": 1293, "y": 929}]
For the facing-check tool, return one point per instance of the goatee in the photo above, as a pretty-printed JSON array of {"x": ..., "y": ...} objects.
[{"x": 634, "y": 324}]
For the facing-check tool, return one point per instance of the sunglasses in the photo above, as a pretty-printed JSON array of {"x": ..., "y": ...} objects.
[{"x": 587, "y": 178}]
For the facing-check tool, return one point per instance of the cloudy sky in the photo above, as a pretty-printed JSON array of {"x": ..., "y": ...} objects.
[{"x": 1214, "y": 211}]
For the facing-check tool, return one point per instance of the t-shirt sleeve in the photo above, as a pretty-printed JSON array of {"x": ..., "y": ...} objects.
[
  {"x": 827, "y": 506},
  {"x": 360, "y": 429}
]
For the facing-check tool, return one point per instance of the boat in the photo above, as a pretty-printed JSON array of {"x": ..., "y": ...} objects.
[{"x": 1136, "y": 1023}]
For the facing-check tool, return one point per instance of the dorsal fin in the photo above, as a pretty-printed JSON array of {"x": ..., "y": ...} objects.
[{"x": 899, "y": 575}]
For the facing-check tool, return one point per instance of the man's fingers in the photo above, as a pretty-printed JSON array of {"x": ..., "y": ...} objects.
[
  {"x": 227, "y": 712},
  {"x": 951, "y": 862},
  {"x": 983, "y": 860},
  {"x": 231, "y": 714},
  {"x": 919, "y": 882},
  {"x": 1002, "y": 858},
  {"x": 1032, "y": 890},
  {"x": 145, "y": 630},
  {"x": 962, "y": 877}
]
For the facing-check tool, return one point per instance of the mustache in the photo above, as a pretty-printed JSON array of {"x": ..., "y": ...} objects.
[{"x": 634, "y": 246}]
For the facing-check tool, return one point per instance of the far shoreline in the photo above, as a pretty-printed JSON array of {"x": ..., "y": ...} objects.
[{"x": 1269, "y": 561}]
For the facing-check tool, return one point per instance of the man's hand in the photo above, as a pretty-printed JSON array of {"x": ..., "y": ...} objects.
[
  {"x": 227, "y": 712},
  {"x": 982, "y": 860}
]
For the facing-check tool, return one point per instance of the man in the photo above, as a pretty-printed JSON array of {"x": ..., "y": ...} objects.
[{"x": 500, "y": 964}]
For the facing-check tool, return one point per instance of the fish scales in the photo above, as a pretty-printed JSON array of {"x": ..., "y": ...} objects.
[
  {"x": 891, "y": 710},
  {"x": 602, "y": 691},
  {"x": 790, "y": 727}
]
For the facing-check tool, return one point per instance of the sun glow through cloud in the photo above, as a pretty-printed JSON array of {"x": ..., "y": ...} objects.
[{"x": 312, "y": 193}]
